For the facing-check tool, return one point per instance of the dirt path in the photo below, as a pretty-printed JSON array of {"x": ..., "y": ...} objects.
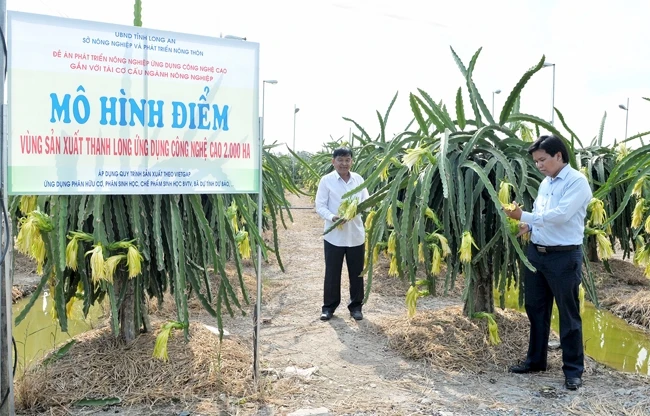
[
  {"x": 358, "y": 374},
  {"x": 349, "y": 358}
]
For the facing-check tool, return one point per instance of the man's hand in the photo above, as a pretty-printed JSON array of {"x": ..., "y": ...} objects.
[
  {"x": 515, "y": 213},
  {"x": 336, "y": 218},
  {"x": 523, "y": 229}
]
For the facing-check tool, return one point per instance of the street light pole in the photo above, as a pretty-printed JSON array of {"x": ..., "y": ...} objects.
[
  {"x": 293, "y": 159},
  {"x": 547, "y": 64},
  {"x": 494, "y": 92},
  {"x": 627, "y": 113}
]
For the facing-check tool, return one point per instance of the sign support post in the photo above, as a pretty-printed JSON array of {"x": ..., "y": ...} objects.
[
  {"x": 258, "y": 301},
  {"x": 6, "y": 279}
]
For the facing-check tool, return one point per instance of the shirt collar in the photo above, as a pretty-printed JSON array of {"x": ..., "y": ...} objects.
[
  {"x": 339, "y": 176},
  {"x": 562, "y": 173}
]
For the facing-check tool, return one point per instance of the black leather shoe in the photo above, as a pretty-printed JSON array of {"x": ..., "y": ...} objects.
[
  {"x": 357, "y": 315},
  {"x": 573, "y": 383},
  {"x": 326, "y": 316},
  {"x": 524, "y": 369}
]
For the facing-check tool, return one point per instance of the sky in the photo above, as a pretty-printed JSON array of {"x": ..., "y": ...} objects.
[{"x": 347, "y": 58}]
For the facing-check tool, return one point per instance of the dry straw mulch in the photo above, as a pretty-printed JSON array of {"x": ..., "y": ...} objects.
[
  {"x": 450, "y": 341},
  {"x": 635, "y": 310},
  {"x": 167, "y": 308},
  {"x": 625, "y": 280},
  {"x": 99, "y": 366},
  {"x": 386, "y": 285},
  {"x": 16, "y": 293}
]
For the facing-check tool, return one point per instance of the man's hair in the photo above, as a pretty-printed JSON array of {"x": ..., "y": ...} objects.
[
  {"x": 341, "y": 151},
  {"x": 551, "y": 145}
]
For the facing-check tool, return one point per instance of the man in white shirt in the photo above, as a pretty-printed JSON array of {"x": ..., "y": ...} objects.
[
  {"x": 557, "y": 225},
  {"x": 347, "y": 241}
]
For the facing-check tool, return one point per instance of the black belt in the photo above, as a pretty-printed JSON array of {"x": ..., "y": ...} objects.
[{"x": 549, "y": 249}]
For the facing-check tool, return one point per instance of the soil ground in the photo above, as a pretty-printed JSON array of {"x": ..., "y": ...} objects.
[{"x": 349, "y": 368}]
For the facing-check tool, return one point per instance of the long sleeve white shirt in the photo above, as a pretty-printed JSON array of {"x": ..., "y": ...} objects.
[
  {"x": 559, "y": 211},
  {"x": 328, "y": 199}
]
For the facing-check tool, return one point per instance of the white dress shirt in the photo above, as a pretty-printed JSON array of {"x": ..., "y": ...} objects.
[
  {"x": 328, "y": 199},
  {"x": 558, "y": 217}
]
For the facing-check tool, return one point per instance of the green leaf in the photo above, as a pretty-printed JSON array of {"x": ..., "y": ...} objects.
[
  {"x": 363, "y": 132},
  {"x": 37, "y": 292},
  {"x": 474, "y": 95},
  {"x": 437, "y": 113},
  {"x": 460, "y": 110},
  {"x": 157, "y": 232},
  {"x": 415, "y": 108},
  {"x": 137, "y": 13},
  {"x": 115, "y": 325},
  {"x": 443, "y": 165},
  {"x": 548, "y": 126},
  {"x": 495, "y": 199},
  {"x": 516, "y": 91},
  {"x": 473, "y": 98},
  {"x": 566, "y": 127},
  {"x": 62, "y": 231},
  {"x": 390, "y": 107},
  {"x": 59, "y": 353},
  {"x": 99, "y": 231},
  {"x": 178, "y": 271},
  {"x": 636, "y": 136},
  {"x": 98, "y": 402}
]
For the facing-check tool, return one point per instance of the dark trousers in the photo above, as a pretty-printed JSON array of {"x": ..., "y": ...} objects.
[
  {"x": 558, "y": 277},
  {"x": 354, "y": 257}
]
